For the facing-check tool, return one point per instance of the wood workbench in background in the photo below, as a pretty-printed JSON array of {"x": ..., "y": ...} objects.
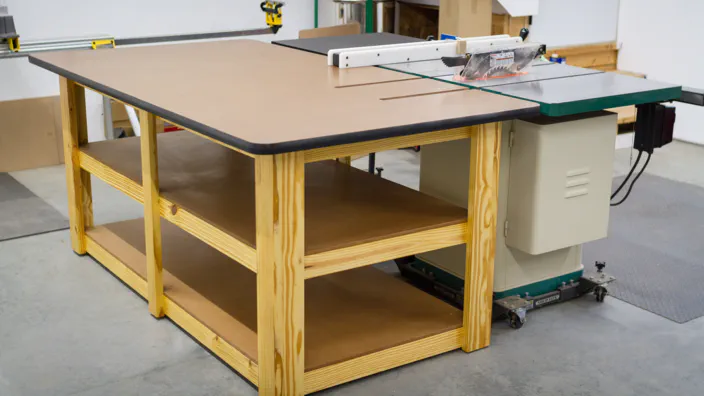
[{"x": 253, "y": 241}]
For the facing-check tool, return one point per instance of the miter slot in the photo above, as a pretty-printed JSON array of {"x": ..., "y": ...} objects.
[{"x": 423, "y": 94}]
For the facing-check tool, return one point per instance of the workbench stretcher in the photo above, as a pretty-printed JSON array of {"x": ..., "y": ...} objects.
[{"x": 255, "y": 240}]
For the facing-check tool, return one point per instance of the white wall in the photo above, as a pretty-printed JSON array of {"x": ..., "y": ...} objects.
[
  {"x": 575, "y": 22},
  {"x": 43, "y": 19},
  {"x": 663, "y": 40}
]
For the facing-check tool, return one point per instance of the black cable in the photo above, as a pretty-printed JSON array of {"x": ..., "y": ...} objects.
[
  {"x": 634, "y": 182},
  {"x": 633, "y": 168}
]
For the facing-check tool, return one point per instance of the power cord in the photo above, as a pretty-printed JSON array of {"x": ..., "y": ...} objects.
[
  {"x": 633, "y": 168},
  {"x": 630, "y": 188}
]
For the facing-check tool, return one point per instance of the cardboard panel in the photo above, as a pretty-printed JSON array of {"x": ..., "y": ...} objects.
[
  {"x": 339, "y": 30},
  {"x": 30, "y": 133}
]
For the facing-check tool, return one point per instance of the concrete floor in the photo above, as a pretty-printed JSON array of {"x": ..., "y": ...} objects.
[{"x": 67, "y": 327}]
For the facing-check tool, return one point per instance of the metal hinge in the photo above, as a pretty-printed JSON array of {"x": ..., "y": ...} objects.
[
  {"x": 511, "y": 136},
  {"x": 506, "y": 229}
]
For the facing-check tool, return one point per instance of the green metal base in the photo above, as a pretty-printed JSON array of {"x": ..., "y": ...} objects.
[{"x": 534, "y": 289}]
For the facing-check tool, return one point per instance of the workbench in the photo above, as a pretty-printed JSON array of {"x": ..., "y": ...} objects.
[{"x": 255, "y": 240}]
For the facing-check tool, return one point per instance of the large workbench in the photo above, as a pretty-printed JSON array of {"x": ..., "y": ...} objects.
[{"x": 255, "y": 240}]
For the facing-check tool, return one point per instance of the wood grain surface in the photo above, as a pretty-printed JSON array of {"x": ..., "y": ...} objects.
[
  {"x": 152, "y": 217},
  {"x": 481, "y": 245},
  {"x": 75, "y": 134},
  {"x": 279, "y": 186},
  {"x": 225, "y": 90},
  {"x": 344, "y": 206},
  {"x": 383, "y": 360},
  {"x": 347, "y": 315}
]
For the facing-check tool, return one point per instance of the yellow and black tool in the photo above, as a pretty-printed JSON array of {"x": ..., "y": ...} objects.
[{"x": 273, "y": 14}]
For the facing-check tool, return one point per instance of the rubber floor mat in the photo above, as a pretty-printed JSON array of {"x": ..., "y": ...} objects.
[
  {"x": 655, "y": 248},
  {"x": 22, "y": 213}
]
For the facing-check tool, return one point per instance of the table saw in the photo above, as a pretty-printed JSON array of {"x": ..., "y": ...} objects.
[{"x": 556, "y": 172}]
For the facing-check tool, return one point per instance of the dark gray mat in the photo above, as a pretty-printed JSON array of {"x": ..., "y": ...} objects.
[
  {"x": 22, "y": 213},
  {"x": 655, "y": 248}
]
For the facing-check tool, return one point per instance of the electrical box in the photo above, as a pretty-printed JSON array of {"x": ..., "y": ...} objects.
[{"x": 560, "y": 181}]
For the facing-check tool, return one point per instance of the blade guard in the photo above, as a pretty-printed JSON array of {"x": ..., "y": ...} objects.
[{"x": 497, "y": 62}]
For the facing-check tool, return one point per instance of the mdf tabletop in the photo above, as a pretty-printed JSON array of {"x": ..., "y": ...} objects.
[
  {"x": 257, "y": 238},
  {"x": 267, "y": 99}
]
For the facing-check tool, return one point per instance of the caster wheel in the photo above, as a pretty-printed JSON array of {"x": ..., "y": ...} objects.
[
  {"x": 514, "y": 320},
  {"x": 600, "y": 292}
]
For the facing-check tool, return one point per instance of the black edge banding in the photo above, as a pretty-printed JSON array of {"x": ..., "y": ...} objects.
[{"x": 399, "y": 130}]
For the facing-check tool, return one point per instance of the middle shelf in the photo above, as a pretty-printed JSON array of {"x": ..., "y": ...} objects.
[
  {"x": 350, "y": 315},
  {"x": 352, "y": 218}
]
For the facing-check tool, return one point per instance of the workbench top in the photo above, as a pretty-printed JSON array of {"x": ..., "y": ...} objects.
[{"x": 268, "y": 99}]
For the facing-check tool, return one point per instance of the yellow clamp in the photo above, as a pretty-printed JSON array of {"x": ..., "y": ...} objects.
[
  {"x": 99, "y": 43},
  {"x": 273, "y": 14},
  {"x": 14, "y": 44}
]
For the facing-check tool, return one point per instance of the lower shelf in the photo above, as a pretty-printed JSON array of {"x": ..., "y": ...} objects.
[{"x": 352, "y": 318}]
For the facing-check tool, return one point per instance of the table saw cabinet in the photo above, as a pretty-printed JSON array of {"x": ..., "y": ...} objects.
[{"x": 553, "y": 196}]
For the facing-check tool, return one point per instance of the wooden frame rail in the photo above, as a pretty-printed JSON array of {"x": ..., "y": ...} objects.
[
  {"x": 213, "y": 236},
  {"x": 316, "y": 264},
  {"x": 372, "y": 146},
  {"x": 387, "y": 249}
]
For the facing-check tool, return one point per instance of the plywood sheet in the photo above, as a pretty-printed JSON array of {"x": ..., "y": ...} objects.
[
  {"x": 344, "y": 206},
  {"x": 347, "y": 314},
  {"x": 331, "y": 31},
  {"x": 30, "y": 134},
  {"x": 265, "y": 98}
]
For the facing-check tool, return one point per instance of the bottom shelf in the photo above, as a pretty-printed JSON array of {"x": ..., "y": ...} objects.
[{"x": 351, "y": 316}]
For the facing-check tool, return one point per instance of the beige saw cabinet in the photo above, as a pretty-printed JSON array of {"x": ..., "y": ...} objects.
[{"x": 553, "y": 197}]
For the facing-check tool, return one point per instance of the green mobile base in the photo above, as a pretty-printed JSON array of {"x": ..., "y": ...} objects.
[{"x": 448, "y": 284}]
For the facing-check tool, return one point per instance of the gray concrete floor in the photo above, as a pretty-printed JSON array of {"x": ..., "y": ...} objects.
[{"x": 67, "y": 327}]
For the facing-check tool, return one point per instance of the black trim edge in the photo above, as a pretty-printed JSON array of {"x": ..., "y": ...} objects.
[{"x": 297, "y": 145}]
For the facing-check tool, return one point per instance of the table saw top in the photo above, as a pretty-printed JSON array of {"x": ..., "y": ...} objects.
[
  {"x": 559, "y": 89},
  {"x": 267, "y": 99}
]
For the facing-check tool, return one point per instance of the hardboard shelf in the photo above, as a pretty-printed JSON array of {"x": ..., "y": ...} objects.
[
  {"x": 209, "y": 191},
  {"x": 347, "y": 316}
]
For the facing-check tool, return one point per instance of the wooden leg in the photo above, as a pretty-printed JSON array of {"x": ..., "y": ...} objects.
[
  {"x": 75, "y": 133},
  {"x": 152, "y": 218},
  {"x": 280, "y": 272},
  {"x": 481, "y": 243}
]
